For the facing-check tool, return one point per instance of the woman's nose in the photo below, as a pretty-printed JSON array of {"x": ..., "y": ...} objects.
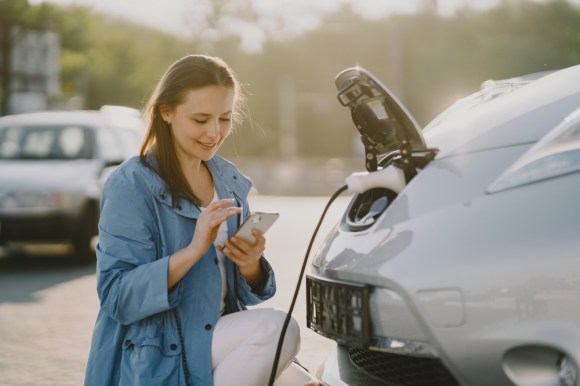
[{"x": 213, "y": 129}]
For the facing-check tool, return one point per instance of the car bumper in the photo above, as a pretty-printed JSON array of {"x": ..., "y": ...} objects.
[
  {"x": 348, "y": 366},
  {"x": 379, "y": 339}
]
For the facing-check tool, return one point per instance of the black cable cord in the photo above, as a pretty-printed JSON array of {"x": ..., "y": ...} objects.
[{"x": 289, "y": 315}]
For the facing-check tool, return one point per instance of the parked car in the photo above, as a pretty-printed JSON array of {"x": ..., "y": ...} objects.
[
  {"x": 52, "y": 169},
  {"x": 457, "y": 261}
]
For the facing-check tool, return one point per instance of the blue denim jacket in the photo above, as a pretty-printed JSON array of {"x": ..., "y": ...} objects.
[{"x": 135, "y": 339}]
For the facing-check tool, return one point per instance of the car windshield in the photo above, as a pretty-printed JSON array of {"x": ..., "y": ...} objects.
[{"x": 45, "y": 142}]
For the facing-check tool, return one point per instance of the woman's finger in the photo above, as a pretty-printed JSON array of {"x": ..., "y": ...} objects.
[
  {"x": 260, "y": 239},
  {"x": 223, "y": 203},
  {"x": 240, "y": 247},
  {"x": 221, "y": 214}
]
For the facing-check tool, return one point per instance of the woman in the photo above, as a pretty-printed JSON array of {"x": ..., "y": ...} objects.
[{"x": 169, "y": 290}]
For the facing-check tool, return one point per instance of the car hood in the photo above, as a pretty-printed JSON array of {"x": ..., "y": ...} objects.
[
  {"x": 494, "y": 118},
  {"x": 50, "y": 175}
]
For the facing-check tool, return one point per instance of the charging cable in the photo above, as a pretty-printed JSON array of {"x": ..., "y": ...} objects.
[
  {"x": 391, "y": 177},
  {"x": 289, "y": 315}
]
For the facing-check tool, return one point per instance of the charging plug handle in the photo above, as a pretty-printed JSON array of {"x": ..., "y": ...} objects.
[{"x": 391, "y": 178}]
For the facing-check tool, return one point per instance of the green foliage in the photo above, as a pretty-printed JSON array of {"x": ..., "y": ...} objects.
[
  {"x": 13, "y": 11},
  {"x": 427, "y": 60},
  {"x": 105, "y": 60},
  {"x": 123, "y": 61}
]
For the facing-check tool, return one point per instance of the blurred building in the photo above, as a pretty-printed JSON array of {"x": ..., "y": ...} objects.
[{"x": 29, "y": 68}]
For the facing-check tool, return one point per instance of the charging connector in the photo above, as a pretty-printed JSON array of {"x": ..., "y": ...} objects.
[
  {"x": 391, "y": 178},
  {"x": 298, "y": 284}
]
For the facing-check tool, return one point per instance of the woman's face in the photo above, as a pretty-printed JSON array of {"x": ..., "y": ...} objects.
[{"x": 202, "y": 122}]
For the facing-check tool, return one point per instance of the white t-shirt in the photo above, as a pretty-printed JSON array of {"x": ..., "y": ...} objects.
[{"x": 221, "y": 238}]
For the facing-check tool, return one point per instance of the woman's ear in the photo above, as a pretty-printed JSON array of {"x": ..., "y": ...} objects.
[{"x": 166, "y": 113}]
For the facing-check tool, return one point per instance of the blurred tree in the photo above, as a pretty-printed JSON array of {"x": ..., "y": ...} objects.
[
  {"x": 13, "y": 10},
  {"x": 448, "y": 58},
  {"x": 426, "y": 59},
  {"x": 104, "y": 60},
  {"x": 123, "y": 61}
]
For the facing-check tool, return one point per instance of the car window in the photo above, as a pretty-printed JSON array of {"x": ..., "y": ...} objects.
[
  {"x": 71, "y": 141},
  {"x": 110, "y": 147},
  {"x": 118, "y": 144},
  {"x": 46, "y": 142}
]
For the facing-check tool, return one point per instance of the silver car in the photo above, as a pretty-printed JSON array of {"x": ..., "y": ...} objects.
[
  {"x": 52, "y": 168},
  {"x": 457, "y": 261}
]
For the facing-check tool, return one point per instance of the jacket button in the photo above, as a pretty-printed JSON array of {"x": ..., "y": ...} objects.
[
  {"x": 216, "y": 261},
  {"x": 235, "y": 177},
  {"x": 208, "y": 327},
  {"x": 127, "y": 343},
  {"x": 162, "y": 196},
  {"x": 178, "y": 207},
  {"x": 173, "y": 346}
]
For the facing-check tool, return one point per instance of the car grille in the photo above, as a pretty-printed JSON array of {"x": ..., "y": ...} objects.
[
  {"x": 401, "y": 370},
  {"x": 338, "y": 310}
]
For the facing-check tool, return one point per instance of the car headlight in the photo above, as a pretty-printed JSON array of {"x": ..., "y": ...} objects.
[{"x": 556, "y": 154}]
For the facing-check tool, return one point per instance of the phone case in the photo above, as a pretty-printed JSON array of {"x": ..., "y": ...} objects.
[{"x": 261, "y": 221}]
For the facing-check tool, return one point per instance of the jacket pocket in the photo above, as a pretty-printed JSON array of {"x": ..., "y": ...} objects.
[{"x": 150, "y": 361}]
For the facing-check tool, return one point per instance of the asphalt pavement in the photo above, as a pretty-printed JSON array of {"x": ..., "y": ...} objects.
[{"x": 48, "y": 301}]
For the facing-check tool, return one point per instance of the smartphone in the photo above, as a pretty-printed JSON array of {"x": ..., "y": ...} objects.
[{"x": 261, "y": 221}]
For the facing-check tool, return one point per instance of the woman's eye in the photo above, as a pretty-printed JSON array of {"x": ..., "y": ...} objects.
[
  {"x": 201, "y": 121},
  {"x": 225, "y": 119}
]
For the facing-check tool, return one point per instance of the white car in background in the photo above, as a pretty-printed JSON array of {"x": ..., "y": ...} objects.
[
  {"x": 457, "y": 261},
  {"x": 52, "y": 169}
]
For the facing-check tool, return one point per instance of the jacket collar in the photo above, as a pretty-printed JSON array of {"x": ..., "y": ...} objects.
[{"x": 224, "y": 189}]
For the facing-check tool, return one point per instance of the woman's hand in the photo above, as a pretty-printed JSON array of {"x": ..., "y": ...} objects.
[
  {"x": 206, "y": 231},
  {"x": 246, "y": 256},
  {"x": 208, "y": 224}
]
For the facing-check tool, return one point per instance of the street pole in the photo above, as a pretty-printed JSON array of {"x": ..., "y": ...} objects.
[{"x": 5, "y": 65}]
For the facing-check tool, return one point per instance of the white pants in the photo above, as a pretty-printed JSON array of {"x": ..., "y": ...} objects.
[{"x": 244, "y": 346}]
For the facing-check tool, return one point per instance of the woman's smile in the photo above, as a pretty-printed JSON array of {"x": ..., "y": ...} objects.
[{"x": 208, "y": 145}]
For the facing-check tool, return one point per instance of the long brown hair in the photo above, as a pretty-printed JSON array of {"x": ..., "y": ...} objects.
[{"x": 188, "y": 73}]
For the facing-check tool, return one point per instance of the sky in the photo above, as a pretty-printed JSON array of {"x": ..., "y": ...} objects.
[
  {"x": 174, "y": 15},
  {"x": 274, "y": 17}
]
